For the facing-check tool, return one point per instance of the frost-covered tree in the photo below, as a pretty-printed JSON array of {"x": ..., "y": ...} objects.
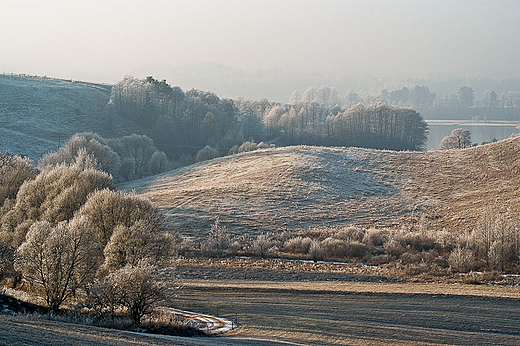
[
  {"x": 79, "y": 145},
  {"x": 458, "y": 139},
  {"x": 400, "y": 97},
  {"x": 159, "y": 163},
  {"x": 380, "y": 126},
  {"x": 217, "y": 240},
  {"x": 295, "y": 97},
  {"x": 496, "y": 240},
  {"x": 60, "y": 259},
  {"x": 272, "y": 118},
  {"x": 108, "y": 210},
  {"x": 420, "y": 96},
  {"x": 466, "y": 96},
  {"x": 130, "y": 244},
  {"x": 351, "y": 98},
  {"x": 309, "y": 95},
  {"x": 53, "y": 196},
  {"x": 14, "y": 171},
  {"x": 137, "y": 288},
  {"x": 136, "y": 149}
]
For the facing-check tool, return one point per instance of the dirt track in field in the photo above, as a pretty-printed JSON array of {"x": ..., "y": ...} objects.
[
  {"x": 308, "y": 314},
  {"x": 345, "y": 318}
]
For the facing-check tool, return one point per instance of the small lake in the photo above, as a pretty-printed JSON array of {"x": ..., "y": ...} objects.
[{"x": 480, "y": 131}]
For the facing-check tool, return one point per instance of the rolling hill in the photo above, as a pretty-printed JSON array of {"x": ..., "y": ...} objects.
[
  {"x": 38, "y": 114},
  {"x": 294, "y": 188}
]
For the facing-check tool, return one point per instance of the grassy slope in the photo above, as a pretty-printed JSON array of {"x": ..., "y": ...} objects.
[
  {"x": 37, "y": 115},
  {"x": 299, "y": 187}
]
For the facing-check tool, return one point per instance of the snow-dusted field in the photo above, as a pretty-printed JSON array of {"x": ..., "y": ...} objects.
[{"x": 299, "y": 187}]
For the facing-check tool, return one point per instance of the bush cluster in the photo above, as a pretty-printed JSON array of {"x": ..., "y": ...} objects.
[{"x": 493, "y": 245}]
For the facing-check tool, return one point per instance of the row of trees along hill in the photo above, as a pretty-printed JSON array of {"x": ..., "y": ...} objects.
[{"x": 182, "y": 123}]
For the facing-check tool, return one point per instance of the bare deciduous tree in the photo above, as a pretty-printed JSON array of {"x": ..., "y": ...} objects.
[
  {"x": 59, "y": 258},
  {"x": 217, "y": 240},
  {"x": 138, "y": 289}
]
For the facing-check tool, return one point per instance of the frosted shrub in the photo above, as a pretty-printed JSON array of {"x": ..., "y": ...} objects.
[
  {"x": 263, "y": 145},
  {"x": 261, "y": 245},
  {"x": 298, "y": 245},
  {"x": 415, "y": 240},
  {"x": 334, "y": 248},
  {"x": 461, "y": 260},
  {"x": 351, "y": 234},
  {"x": 247, "y": 146},
  {"x": 356, "y": 250},
  {"x": 207, "y": 153},
  {"x": 251, "y": 146},
  {"x": 393, "y": 247},
  {"x": 233, "y": 150},
  {"x": 316, "y": 250},
  {"x": 373, "y": 237}
]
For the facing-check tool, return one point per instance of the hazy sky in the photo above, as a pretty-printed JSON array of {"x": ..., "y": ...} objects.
[{"x": 102, "y": 40}]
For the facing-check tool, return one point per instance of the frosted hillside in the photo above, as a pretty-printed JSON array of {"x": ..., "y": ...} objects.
[{"x": 38, "y": 115}]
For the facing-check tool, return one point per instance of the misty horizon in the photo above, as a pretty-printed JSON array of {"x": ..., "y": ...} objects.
[{"x": 317, "y": 42}]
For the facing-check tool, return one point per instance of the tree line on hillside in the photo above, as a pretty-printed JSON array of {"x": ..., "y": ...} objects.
[{"x": 181, "y": 123}]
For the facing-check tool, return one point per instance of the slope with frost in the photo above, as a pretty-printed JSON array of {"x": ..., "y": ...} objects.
[
  {"x": 295, "y": 188},
  {"x": 38, "y": 115}
]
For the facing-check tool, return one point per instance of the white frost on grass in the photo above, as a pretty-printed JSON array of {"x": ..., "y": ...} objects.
[{"x": 272, "y": 189}]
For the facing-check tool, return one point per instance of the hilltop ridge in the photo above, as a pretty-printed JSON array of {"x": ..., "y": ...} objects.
[{"x": 294, "y": 188}]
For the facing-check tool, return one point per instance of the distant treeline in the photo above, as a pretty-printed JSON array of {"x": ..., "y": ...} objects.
[
  {"x": 181, "y": 123},
  {"x": 417, "y": 97}
]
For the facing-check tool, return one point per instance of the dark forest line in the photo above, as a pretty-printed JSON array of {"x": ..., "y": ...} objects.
[{"x": 183, "y": 122}]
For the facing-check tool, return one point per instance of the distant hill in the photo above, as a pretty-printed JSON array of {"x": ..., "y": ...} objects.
[
  {"x": 299, "y": 187},
  {"x": 38, "y": 114}
]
